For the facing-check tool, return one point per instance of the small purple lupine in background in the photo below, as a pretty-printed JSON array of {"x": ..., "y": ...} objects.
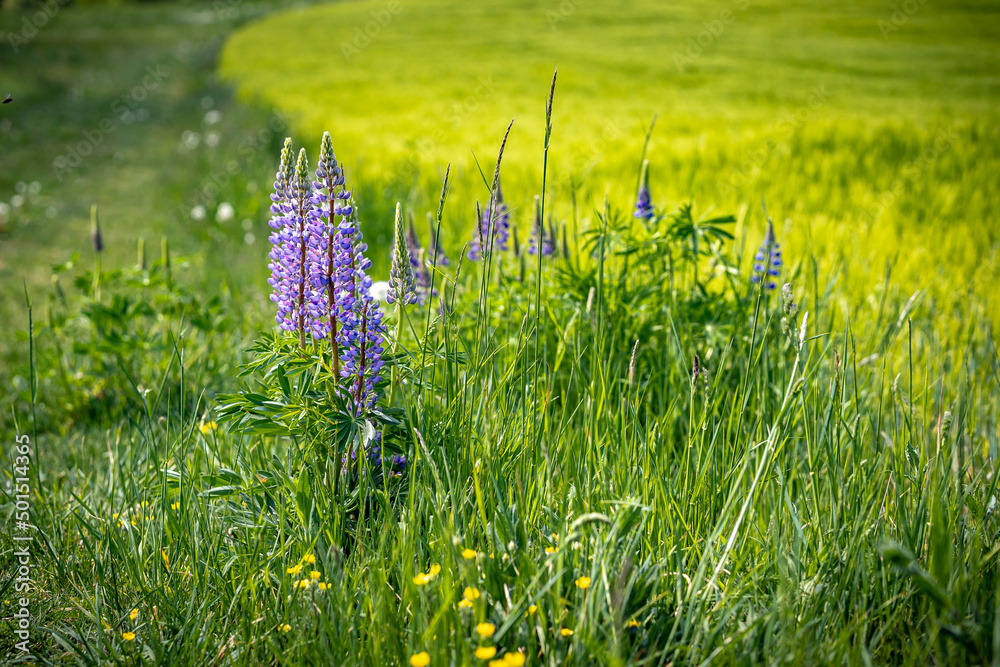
[
  {"x": 402, "y": 284},
  {"x": 767, "y": 261},
  {"x": 283, "y": 264},
  {"x": 643, "y": 201},
  {"x": 493, "y": 227},
  {"x": 538, "y": 231}
]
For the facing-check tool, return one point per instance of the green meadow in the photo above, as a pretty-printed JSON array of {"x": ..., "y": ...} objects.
[
  {"x": 625, "y": 451},
  {"x": 871, "y": 136}
]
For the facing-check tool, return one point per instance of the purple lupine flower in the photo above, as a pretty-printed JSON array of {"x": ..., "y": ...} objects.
[
  {"x": 362, "y": 332},
  {"x": 494, "y": 227},
  {"x": 643, "y": 202},
  {"x": 538, "y": 231},
  {"x": 292, "y": 224},
  {"x": 767, "y": 261},
  {"x": 330, "y": 199},
  {"x": 402, "y": 284}
]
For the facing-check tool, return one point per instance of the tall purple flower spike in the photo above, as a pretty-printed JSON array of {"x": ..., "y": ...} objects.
[
  {"x": 402, "y": 283},
  {"x": 330, "y": 199},
  {"x": 362, "y": 332},
  {"x": 293, "y": 227},
  {"x": 767, "y": 261}
]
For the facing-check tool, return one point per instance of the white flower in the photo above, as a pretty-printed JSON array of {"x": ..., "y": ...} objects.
[
  {"x": 225, "y": 212},
  {"x": 379, "y": 290},
  {"x": 213, "y": 117},
  {"x": 198, "y": 213},
  {"x": 212, "y": 139}
]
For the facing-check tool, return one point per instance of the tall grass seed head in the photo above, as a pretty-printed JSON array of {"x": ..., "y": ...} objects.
[{"x": 402, "y": 284}]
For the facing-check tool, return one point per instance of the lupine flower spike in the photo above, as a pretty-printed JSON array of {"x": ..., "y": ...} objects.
[
  {"x": 362, "y": 332},
  {"x": 767, "y": 261},
  {"x": 538, "y": 231},
  {"x": 283, "y": 258},
  {"x": 402, "y": 284},
  {"x": 330, "y": 199},
  {"x": 643, "y": 201}
]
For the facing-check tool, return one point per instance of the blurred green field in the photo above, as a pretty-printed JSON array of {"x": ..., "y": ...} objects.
[{"x": 873, "y": 135}]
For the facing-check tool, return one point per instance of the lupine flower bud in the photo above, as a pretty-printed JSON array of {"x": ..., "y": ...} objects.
[
  {"x": 402, "y": 284},
  {"x": 643, "y": 201}
]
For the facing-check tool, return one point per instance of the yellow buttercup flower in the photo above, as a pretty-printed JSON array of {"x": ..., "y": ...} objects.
[
  {"x": 499, "y": 662},
  {"x": 532, "y": 609},
  {"x": 208, "y": 426},
  {"x": 285, "y": 627},
  {"x": 302, "y": 583},
  {"x": 434, "y": 571},
  {"x": 175, "y": 506},
  {"x": 464, "y": 604},
  {"x": 471, "y": 593},
  {"x": 515, "y": 659},
  {"x": 550, "y": 550},
  {"x": 566, "y": 632},
  {"x": 295, "y": 569},
  {"x": 420, "y": 579},
  {"x": 309, "y": 558},
  {"x": 128, "y": 636},
  {"x": 632, "y": 624},
  {"x": 315, "y": 575},
  {"x": 486, "y": 629},
  {"x": 583, "y": 582},
  {"x": 323, "y": 586},
  {"x": 421, "y": 659},
  {"x": 468, "y": 554},
  {"x": 134, "y": 614},
  {"x": 485, "y": 652}
]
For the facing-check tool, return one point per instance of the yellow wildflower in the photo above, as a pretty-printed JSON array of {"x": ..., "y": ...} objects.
[
  {"x": 128, "y": 636},
  {"x": 583, "y": 582},
  {"x": 464, "y": 604},
  {"x": 485, "y": 652},
  {"x": 468, "y": 554},
  {"x": 421, "y": 578},
  {"x": 295, "y": 569},
  {"x": 314, "y": 575},
  {"x": 285, "y": 627},
  {"x": 550, "y": 550},
  {"x": 435, "y": 570},
  {"x": 471, "y": 593},
  {"x": 175, "y": 506},
  {"x": 532, "y": 609},
  {"x": 566, "y": 632},
  {"x": 486, "y": 629},
  {"x": 166, "y": 558},
  {"x": 302, "y": 583},
  {"x": 309, "y": 558},
  {"x": 421, "y": 659},
  {"x": 208, "y": 426},
  {"x": 515, "y": 659},
  {"x": 632, "y": 624},
  {"x": 134, "y": 614}
]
